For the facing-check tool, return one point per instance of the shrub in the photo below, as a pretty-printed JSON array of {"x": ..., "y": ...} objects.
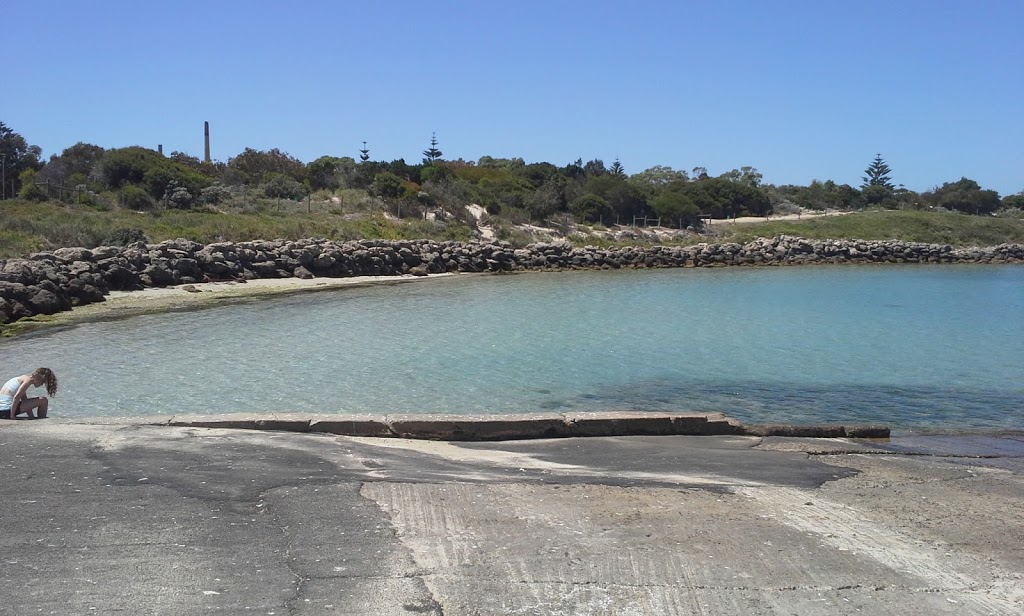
[
  {"x": 123, "y": 237},
  {"x": 134, "y": 197},
  {"x": 214, "y": 195}
]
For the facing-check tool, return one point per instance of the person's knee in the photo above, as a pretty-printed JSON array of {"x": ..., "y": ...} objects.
[{"x": 44, "y": 402}]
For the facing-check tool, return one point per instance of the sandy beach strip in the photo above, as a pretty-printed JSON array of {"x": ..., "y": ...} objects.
[{"x": 124, "y": 304}]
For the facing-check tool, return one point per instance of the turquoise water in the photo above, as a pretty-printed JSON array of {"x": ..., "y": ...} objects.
[{"x": 915, "y": 347}]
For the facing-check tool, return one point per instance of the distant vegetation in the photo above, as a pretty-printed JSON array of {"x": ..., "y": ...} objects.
[{"x": 88, "y": 195}]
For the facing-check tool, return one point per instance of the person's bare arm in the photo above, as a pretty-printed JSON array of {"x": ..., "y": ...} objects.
[{"x": 18, "y": 397}]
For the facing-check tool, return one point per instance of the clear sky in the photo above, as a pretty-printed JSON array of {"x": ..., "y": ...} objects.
[{"x": 801, "y": 90}]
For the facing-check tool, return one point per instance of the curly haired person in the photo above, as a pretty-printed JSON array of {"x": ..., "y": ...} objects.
[{"x": 14, "y": 399}]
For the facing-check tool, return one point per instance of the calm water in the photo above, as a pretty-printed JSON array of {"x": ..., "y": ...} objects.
[{"x": 916, "y": 347}]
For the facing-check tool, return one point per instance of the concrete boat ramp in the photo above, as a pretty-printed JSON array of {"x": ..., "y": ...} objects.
[{"x": 129, "y": 517}]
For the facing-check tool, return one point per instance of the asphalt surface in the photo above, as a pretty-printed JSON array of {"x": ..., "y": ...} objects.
[{"x": 136, "y": 519}]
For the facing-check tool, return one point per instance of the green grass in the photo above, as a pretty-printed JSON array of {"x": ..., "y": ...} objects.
[
  {"x": 29, "y": 227},
  {"x": 907, "y": 225}
]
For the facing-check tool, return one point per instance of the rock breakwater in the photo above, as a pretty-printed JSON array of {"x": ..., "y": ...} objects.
[{"x": 50, "y": 282}]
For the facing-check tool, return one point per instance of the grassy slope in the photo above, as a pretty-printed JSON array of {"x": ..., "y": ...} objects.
[
  {"x": 911, "y": 226},
  {"x": 29, "y": 227}
]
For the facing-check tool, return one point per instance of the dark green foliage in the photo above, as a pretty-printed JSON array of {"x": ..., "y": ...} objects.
[
  {"x": 436, "y": 174},
  {"x": 877, "y": 174},
  {"x": 330, "y": 172},
  {"x": 255, "y": 167},
  {"x": 280, "y": 186},
  {"x": 744, "y": 175},
  {"x": 624, "y": 199},
  {"x": 674, "y": 207},
  {"x": 827, "y": 196},
  {"x": 30, "y": 190},
  {"x": 364, "y": 154},
  {"x": 591, "y": 208},
  {"x": 214, "y": 195},
  {"x": 134, "y": 197},
  {"x": 722, "y": 198},
  {"x": 78, "y": 164},
  {"x": 17, "y": 157},
  {"x": 652, "y": 181},
  {"x": 964, "y": 196},
  {"x": 432, "y": 154},
  {"x": 1014, "y": 201},
  {"x": 617, "y": 170},
  {"x": 140, "y": 166},
  {"x": 548, "y": 199},
  {"x": 387, "y": 185},
  {"x": 211, "y": 169},
  {"x": 594, "y": 167},
  {"x": 129, "y": 165},
  {"x": 878, "y": 195},
  {"x": 539, "y": 173},
  {"x": 125, "y": 236}
]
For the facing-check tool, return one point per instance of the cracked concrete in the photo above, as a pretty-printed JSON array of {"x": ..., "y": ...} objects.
[{"x": 162, "y": 520}]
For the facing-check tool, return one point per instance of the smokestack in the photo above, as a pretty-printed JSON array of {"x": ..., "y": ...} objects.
[{"x": 206, "y": 131}]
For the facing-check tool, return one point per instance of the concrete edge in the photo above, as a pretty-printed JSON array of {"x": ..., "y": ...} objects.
[{"x": 452, "y": 427}]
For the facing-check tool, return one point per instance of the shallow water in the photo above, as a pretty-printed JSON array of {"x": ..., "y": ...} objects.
[{"x": 915, "y": 347}]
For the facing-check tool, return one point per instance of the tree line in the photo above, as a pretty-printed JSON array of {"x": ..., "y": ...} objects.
[{"x": 143, "y": 179}]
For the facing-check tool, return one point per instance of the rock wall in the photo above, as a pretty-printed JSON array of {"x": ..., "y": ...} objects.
[{"x": 49, "y": 282}]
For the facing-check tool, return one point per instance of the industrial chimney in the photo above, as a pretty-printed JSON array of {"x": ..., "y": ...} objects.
[{"x": 206, "y": 132}]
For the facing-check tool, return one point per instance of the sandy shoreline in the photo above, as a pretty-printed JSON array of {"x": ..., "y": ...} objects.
[{"x": 124, "y": 304}]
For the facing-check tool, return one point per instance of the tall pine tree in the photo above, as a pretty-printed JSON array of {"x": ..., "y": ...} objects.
[
  {"x": 877, "y": 174},
  {"x": 432, "y": 154},
  {"x": 364, "y": 154}
]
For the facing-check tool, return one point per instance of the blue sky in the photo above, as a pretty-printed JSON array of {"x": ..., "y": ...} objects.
[{"x": 800, "y": 90}]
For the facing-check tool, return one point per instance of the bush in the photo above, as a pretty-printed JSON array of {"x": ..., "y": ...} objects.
[
  {"x": 134, "y": 197},
  {"x": 214, "y": 195},
  {"x": 123, "y": 237}
]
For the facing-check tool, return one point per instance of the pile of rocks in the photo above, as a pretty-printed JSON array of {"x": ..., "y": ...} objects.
[{"x": 49, "y": 282}]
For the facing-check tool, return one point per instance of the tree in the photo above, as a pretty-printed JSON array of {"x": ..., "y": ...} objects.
[
  {"x": 617, "y": 170},
  {"x": 829, "y": 196},
  {"x": 675, "y": 207},
  {"x": 651, "y": 181},
  {"x": 591, "y": 208},
  {"x": 548, "y": 199},
  {"x": 331, "y": 172},
  {"x": 140, "y": 166},
  {"x": 877, "y": 174},
  {"x": 280, "y": 186},
  {"x": 721, "y": 198},
  {"x": 594, "y": 167},
  {"x": 1014, "y": 201},
  {"x": 16, "y": 156},
  {"x": 255, "y": 166},
  {"x": 624, "y": 199},
  {"x": 78, "y": 164},
  {"x": 387, "y": 185},
  {"x": 965, "y": 195},
  {"x": 364, "y": 154},
  {"x": 436, "y": 174},
  {"x": 432, "y": 154},
  {"x": 744, "y": 175}
]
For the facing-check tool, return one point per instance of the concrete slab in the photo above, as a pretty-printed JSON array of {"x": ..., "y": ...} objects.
[
  {"x": 288, "y": 422},
  {"x": 238, "y": 421},
  {"x": 478, "y": 427},
  {"x": 179, "y": 520},
  {"x": 359, "y": 424}
]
